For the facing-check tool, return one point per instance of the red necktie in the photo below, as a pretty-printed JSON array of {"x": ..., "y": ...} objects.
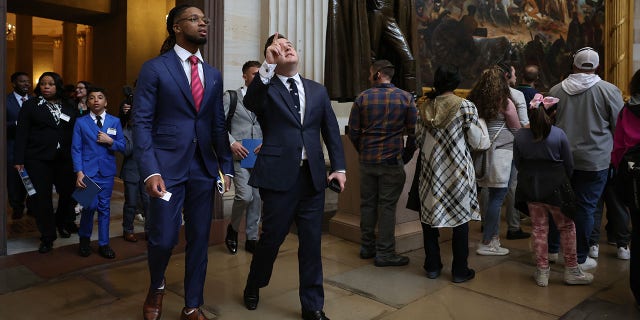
[{"x": 196, "y": 85}]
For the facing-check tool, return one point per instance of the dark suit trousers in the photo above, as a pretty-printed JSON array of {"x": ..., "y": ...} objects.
[
  {"x": 304, "y": 205},
  {"x": 15, "y": 189},
  {"x": 195, "y": 194},
  {"x": 44, "y": 175}
]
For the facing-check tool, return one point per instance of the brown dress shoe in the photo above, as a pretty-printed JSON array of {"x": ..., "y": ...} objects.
[
  {"x": 129, "y": 236},
  {"x": 152, "y": 308},
  {"x": 192, "y": 314}
]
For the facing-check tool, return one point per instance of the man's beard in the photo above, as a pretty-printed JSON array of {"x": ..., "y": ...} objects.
[{"x": 195, "y": 39}]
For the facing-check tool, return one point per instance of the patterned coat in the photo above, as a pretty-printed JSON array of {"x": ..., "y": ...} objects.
[{"x": 447, "y": 181}]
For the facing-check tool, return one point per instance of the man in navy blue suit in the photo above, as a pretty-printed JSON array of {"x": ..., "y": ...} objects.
[
  {"x": 181, "y": 142},
  {"x": 15, "y": 190},
  {"x": 294, "y": 114}
]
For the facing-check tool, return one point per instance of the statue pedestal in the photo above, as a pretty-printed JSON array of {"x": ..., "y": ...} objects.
[{"x": 346, "y": 222}]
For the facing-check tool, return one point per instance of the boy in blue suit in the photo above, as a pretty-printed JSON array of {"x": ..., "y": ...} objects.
[{"x": 96, "y": 139}]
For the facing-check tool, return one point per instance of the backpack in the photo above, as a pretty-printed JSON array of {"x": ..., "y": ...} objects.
[{"x": 233, "y": 103}]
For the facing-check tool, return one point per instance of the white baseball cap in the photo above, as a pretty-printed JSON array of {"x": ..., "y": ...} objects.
[{"x": 586, "y": 59}]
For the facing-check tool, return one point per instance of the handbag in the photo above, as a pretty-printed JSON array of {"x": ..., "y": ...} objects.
[
  {"x": 481, "y": 159},
  {"x": 478, "y": 136}
]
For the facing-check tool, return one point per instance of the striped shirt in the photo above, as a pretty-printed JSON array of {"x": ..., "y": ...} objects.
[{"x": 379, "y": 119}]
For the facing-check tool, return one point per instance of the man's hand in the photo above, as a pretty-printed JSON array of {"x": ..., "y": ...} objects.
[
  {"x": 125, "y": 108},
  {"x": 257, "y": 149},
  {"x": 79, "y": 178},
  {"x": 341, "y": 177},
  {"x": 275, "y": 52},
  {"x": 239, "y": 150},
  {"x": 155, "y": 186},
  {"x": 104, "y": 138},
  {"x": 19, "y": 167}
]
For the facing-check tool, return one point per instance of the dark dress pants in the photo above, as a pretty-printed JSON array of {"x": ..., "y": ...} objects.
[
  {"x": 304, "y": 206},
  {"x": 44, "y": 175},
  {"x": 192, "y": 197},
  {"x": 459, "y": 246}
]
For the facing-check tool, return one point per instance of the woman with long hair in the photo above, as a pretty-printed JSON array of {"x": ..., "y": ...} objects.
[
  {"x": 491, "y": 96},
  {"x": 543, "y": 158},
  {"x": 43, "y": 148},
  {"x": 81, "y": 97},
  {"x": 447, "y": 186}
]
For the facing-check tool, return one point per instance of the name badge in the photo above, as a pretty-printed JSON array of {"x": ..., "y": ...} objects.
[
  {"x": 111, "y": 131},
  {"x": 64, "y": 117}
]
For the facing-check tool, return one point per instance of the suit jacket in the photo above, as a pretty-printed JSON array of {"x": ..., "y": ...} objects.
[
  {"x": 129, "y": 171},
  {"x": 13, "y": 108},
  {"x": 92, "y": 157},
  {"x": 244, "y": 124},
  {"x": 168, "y": 128},
  {"x": 38, "y": 136},
  {"x": 284, "y": 136}
]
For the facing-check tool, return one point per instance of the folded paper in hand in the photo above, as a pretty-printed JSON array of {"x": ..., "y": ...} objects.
[{"x": 85, "y": 196}]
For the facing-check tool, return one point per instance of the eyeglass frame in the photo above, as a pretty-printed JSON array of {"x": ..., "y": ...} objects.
[{"x": 195, "y": 18}]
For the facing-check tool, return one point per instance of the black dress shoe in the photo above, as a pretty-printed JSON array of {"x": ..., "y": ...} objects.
[
  {"x": 434, "y": 274},
  {"x": 251, "y": 297},
  {"x": 231, "y": 240},
  {"x": 314, "y": 315},
  {"x": 106, "y": 252},
  {"x": 63, "y": 232},
  {"x": 250, "y": 245},
  {"x": 84, "y": 250},
  {"x": 391, "y": 261},
  {"x": 518, "y": 234},
  {"x": 71, "y": 227},
  {"x": 45, "y": 246},
  {"x": 367, "y": 253},
  {"x": 463, "y": 278}
]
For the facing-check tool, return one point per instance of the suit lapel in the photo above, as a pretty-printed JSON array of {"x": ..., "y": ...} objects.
[
  {"x": 173, "y": 64},
  {"x": 209, "y": 83},
  {"x": 307, "y": 99},
  {"x": 284, "y": 93}
]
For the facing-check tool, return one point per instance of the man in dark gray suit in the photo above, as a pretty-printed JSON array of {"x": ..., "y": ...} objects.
[
  {"x": 242, "y": 124},
  {"x": 15, "y": 190}
]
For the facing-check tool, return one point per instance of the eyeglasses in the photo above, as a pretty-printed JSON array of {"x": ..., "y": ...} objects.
[{"x": 194, "y": 19}]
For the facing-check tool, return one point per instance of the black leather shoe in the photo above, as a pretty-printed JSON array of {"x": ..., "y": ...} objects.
[
  {"x": 250, "y": 245},
  {"x": 367, "y": 253},
  {"x": 45, "y": 246},
  {"x": 518, "y": 234},
  {"x": 63, "y": 232},
  {"x": 434, "y": 274},
  {"x": 463, "y": 278},
  {"x": 251, "y": 297},
  {"x": 106, "y": 252},
  {"x": 314, "y": 315},
  {"x": 231, "y": 240},
  {"x": 391, "y": 261},
  {"x": 71, "y": 227},
  {"x": 84, "y": 250}
]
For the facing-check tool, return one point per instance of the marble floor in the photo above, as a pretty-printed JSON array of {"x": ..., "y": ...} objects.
[{"x": 354, "y": 288}]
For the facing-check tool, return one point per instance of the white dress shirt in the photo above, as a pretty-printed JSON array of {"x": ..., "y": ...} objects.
[{"x": 186, "y": 64}]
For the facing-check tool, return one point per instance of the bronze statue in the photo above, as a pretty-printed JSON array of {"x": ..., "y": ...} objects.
[{"x": 362, "y": 31}]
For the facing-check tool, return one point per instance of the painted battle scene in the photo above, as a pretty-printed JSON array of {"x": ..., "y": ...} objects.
[{"x": 475, "y": 34}]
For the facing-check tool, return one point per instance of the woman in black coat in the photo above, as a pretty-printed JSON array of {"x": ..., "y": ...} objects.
[{"x": 43, "y": 149}]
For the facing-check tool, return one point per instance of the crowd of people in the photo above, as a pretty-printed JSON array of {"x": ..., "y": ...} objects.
[{"x": 559, "y": 159}]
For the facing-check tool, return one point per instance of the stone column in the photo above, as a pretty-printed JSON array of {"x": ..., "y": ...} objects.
[
  {"x": 24, "y": 45},
  {"x": 69, "y": 53}
]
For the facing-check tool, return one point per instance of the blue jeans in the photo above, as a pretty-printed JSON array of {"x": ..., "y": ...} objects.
[
  {"x": 588, "y": 187},
  {"x": 492, "y": 216}
]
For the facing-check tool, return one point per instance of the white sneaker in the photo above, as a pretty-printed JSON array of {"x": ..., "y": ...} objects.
[
  {"x": 594, "y": 251},
  {"x": 576, "y": 276},
  {"x": 588, "y": 264},
  {"x": 139, "y": 217},
  {"x": 623, "y": 253},
  {"x": 492, "y": 249},
  {"x": 553, "y": 257},
  {"x": 542, "y": 276}
]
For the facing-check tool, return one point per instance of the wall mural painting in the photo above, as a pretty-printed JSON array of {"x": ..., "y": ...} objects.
[{"x": 475, "y": 34}]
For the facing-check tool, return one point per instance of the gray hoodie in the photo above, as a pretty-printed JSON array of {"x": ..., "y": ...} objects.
[{"x": 587, "y": 112}]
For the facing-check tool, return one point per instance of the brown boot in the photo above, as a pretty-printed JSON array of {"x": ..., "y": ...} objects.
[{"x": 152, "y": 308}]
